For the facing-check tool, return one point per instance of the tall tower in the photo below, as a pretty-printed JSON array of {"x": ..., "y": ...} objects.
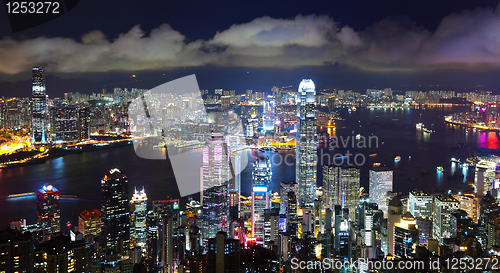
[
  {"x": 115, "y": 214},
  {"x": 138, "y": 212},
  {"x": 217, "y": 174},
  {"x": 380, "y": 183},
  {"x": 260, "y": 196},
  {"x": 307, "y": 142},
  {"x": 39, "y": 106},
  {"x": 349, "y": 181},
  {"x": 49, "y": 211}
]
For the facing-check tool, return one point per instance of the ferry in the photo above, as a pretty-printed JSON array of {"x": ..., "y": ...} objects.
[
  {"x": 373, "y": 155},
  {"x": 455, "y": 160},
  {"x": 397, "y": 158},
  {"x": 353, "y": 109},
  {"x": 376, "y": 164},
  {"x": 439, "y": 169},
  {"x": 429, "y": 130},
  {"x": 21, "y": 194},
  {"x": 358, "y": 136},
  {"x": 419, "y": 126}
]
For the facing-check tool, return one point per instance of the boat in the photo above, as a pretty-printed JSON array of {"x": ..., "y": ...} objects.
[
  {"x": 455, "y": 160},
  {"x": 429, "y": 130},
  {"x": 353, "y": 109},
  {"x": 358, "y": 136},
  {"x": 373, "y": 155},
  {"x": 439, "y": 168},
  {"x": 376, "y": 164},
  {"x": 419, "y": 126},
  {"x": 397, "y": 158}
]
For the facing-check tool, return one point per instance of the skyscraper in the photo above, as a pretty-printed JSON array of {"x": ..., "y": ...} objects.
[
  {"x": 216, "y": 175},
  {"x": 331, "y": 188},
  {"x": 405, "y": 236},
  {"x": 115, "y": 214},
  {"x": 420, "y": 204},
  {"x": 381, "y": 180},
  {"x": 260, "y": 196},
  {"x": 89, "y": 222},
  {"x": 138, "y": 212},
  {"x": 64, "y": 123},
  {"x": 307, "y": 142},
  {"x": 286, "y": 187},
  {"x": 49, "y": 211},
  {"x": 349, "y": 181},
  {"x": 39, "y": 106},
  {"x": 444, "y": 205}
]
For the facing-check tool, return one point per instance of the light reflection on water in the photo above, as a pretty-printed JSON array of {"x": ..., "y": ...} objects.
[{"x": 79, "y": 174}]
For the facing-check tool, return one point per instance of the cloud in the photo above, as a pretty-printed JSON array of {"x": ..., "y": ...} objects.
[{"x": 467, "y": 40}]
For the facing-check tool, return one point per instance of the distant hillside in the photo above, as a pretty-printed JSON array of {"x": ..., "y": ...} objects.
[{"x": 56, "y": 87}]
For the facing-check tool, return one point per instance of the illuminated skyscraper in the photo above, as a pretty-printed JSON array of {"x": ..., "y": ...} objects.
[
  {"x": 380, "y": 183},
  {"x": 444, "y": 205},
  {"x": 89, "y": 222},
  {"x": 332, "y": 191},
  {"x": 285, "y": 188},
  {"x": 216, "y": 176},
  {"x": 260, "y": 196},
  {"x": 420, "y": 204},
  {"x": 64, "y": 123},
  {"x": 349, "y": 181},
  {"x": 115, "y": 214},
  {"x": 138, "y": 212},
  {"x": 405, "y": 236},
  {"x": 39, "y": 106},
  {"x": 484, "y": 177},
  {"x": 307, "y": 142},
  {"x": 49, "y": 211}
]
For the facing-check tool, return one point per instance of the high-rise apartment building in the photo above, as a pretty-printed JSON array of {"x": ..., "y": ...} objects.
[
  {"x": 64, "y": 123},
  {"x": 306, "y": 142}
]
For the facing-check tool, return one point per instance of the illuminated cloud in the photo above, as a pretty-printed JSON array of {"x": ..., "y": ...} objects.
[{"x": 468, "y": 40}]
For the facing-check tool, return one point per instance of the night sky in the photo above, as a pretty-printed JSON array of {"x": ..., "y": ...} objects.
[{"x": 240, "y": 45}]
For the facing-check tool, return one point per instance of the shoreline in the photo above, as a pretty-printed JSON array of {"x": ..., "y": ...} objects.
[{"x": 61, "y": 152}]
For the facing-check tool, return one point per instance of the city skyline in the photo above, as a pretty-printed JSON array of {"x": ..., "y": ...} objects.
[
  {"x": 394, "y": 47},
  {"x": 258, "y": 136}
]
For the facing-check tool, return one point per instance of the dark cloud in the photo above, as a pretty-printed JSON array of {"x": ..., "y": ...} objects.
[{"x": 468, "y": 40}]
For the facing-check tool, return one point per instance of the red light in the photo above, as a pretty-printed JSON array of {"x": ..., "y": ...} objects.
[
  {"x": 493, "y": 121},
  {"x": 493, "y": 106}
]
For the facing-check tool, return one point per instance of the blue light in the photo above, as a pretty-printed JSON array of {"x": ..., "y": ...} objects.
[{"x": 259, "y": 189}]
